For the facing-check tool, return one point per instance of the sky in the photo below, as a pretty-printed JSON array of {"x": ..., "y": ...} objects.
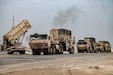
[{"x": 86, "y": 18}]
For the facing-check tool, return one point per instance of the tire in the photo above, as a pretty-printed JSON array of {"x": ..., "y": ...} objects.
[
  {"x": 82, "y": 51},
  {"x": 96, "y": 51},
  {"x": 38, "y": 53},
  {"x": 85, "y": 51},
  {"x": 53, "y": 49},
  {"x": 61, "y": 50},
  {"x": 88, "y": 51},
  {"x": 22, "y": 52},
  {"x": 10, "y": 52},
  {"x": 71, "y": 51},
  {"x": 57, "y": 51},
  {"x": 46, "y": 52},
  {"x": 33, "y": 52},
  {"x": 109, "y": 51},
  {"x": 79, "y": 51}
]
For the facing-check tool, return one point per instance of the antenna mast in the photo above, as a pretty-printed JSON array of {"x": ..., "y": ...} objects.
[{"x": 13, "y": 17}]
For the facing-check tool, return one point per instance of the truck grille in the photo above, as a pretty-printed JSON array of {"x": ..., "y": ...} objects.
[
  {"x": 38, "y": 45},
  {"x": 42, "y": 45}
]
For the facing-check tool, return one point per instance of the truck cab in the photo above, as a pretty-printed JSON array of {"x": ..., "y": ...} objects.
[
  {"x": 56, "y": 42},
  {"x": 106, "y": 45},
  {"x": 39, "y": 43},
  {"x": 86, "y": 45},
  {"x": 82, "y": 46}
]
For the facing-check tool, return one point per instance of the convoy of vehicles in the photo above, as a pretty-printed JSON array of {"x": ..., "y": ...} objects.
[
  {"x": 58, "y": 41},
  {"x": 89, "y": 45}
]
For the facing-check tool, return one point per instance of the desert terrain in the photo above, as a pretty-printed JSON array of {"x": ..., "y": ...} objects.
[{"x": 66, "y": 64}]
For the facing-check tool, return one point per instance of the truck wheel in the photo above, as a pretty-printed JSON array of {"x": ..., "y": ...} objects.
[
  {"x": 95, "y": 51},
  {"x": 82, "y": 51},
  {"x": 85, "y": 51},
  {"x": 71, "y": 51},
  {"x": 46, "y": 52},
  {"x": 53, "y": 50},
  {"x": 109, "y": 51},
  {"x": 88, "y": 50},
  {"x": 10, "y": 52},
  {"x": 49, "y": 52},
  {"x": 61, "y": 50},
  {"x": 102, "y": 51},
  {"x": 79, "y": 51},
  {"x": 22, "y": 52},
  {"x": 57, "y": 51},
  {"x": 38, "y": 53},
  {"x": 33, "y": 52}
]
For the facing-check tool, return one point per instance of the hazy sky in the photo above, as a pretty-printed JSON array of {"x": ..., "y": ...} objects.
[{"x": 86, "y": 18}]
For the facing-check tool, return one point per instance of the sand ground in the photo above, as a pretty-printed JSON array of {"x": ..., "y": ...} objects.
[{"x": 89, "y": 65}]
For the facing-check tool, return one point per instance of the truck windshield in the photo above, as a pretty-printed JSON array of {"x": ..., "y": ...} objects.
[
  {"x": 82, "y": 43},
  {"x": 61, "y": 31},
  {"x": 39, "y": 37},
  {"x": 42, "y": 37}
]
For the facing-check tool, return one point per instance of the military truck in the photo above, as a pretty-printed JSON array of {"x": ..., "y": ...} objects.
[
  {"x": 91, "y": 41},
  {"x": 82, "y": 46},
  {"x": 39, "y": 43},
  {"x": 86, "y": 45},
  {"x": 58, "y": 41},
  {"x": 103, "y": 46},
  {"x": 11, "y": 40}
]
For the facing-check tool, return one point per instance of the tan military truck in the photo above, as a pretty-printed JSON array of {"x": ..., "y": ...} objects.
[
  {"x": 61, "y": 40},
  {"x": 39, "y": 43},
  {"x": 103, "y": 46},
  {"x": 82, "y": 46},
  {"x": 86, "y": 45},
  {"x": 58, "y": 41},
  {"x": 98, "y": 48},
  {"x": 11, "y": 40},
  {"x": 91, "y": 41}
]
